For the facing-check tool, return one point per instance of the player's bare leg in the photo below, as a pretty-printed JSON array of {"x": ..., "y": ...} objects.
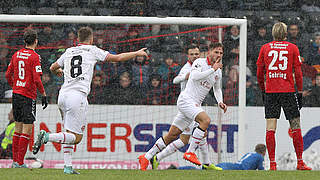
[
  {"x": 198, "y": 134},
  {"x": 160, "y": 144},
  {"x": 298, "y": 143},
  {"x": 271, "y": 142}
]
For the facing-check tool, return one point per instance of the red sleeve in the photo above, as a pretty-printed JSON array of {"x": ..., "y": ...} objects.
[
  {"x": 297, "y": 68},
  {"x": 37, "y": 73},
  {"x": 9, "y": 73},
  {"x": 260, "y": 70}
]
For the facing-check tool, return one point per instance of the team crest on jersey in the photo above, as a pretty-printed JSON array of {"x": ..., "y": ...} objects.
[
  {"x": 216, "y": 77},
  {"x": 197, "y": 65},
  {"x": 38, "y": 69}
]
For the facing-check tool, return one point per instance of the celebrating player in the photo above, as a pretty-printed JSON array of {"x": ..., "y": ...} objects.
[
  {"x": 250, "y": 161},
  {"x": 78, "y": 63},
  {"x": 278, "y": 59},
  {"x": 182, "y": 78},
  {"x": 205, "y": 74},
  {"x": 24, "y": 76}
]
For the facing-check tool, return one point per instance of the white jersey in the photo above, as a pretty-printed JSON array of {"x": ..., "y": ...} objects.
[
  {"x": 78, "y": 65},
  {"x": 202, "y": 78},
  {"x": 181, "y": 78}
]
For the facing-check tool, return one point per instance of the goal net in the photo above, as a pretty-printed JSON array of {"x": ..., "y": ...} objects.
[{"x": 124, "y": 120}]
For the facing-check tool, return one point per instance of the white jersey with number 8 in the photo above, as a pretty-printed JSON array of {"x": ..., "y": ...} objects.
[{"x": 78, "y": 65}]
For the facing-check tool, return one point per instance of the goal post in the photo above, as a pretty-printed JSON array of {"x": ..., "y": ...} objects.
[{"x": 242, "y": 23}]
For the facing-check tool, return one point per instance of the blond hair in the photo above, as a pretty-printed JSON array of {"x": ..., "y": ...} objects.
[{"x": 279, "y": 31}]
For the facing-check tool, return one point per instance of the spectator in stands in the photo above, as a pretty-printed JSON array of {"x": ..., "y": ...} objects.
[
  {"x": 314, "y": 50},
  {"x": 112, "y": 70},
  {"x": 295, "y": 37},
  {"x": 50, "y": 88},
  {"x": 132, "y": 33},
  {"x": 71, "y": 39},
  {"x": 258, "y": 38},
  {"x": 141, "y": 71},
  {"x": 58, "y": 81},
  {"x": 310, "y": 6},
  {"x": 230, "y": 92},
  {"x": 154, "y": 95},
  {"x": 312, "y": 98},
  {"x": 6, "y": 138},
  {"x": 231, "y": 44},
  {"x": 251, "y": 92},
  {"x": 124, "y": 93},
  {"x": 97, "y": 94},
  {"x": 47, "y": 36},
  {"x": 168, "y": 70},
  {"x": 4, "y": 59}
]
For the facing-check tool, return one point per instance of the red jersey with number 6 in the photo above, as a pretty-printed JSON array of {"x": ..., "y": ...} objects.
[
  {"x": 278, "y": 60},
  {"x": 24, "y": 73}
]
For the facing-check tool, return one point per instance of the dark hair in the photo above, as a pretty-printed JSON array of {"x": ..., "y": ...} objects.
[
  {"x": 192, "y": 47},
  {"x": 215, "y": 45},
  {"x": 30, "y": 36},
  {"x": 155, "y": 76},
  {"x": 260, "y": 148},
  {"x": 84, "y": 33}
]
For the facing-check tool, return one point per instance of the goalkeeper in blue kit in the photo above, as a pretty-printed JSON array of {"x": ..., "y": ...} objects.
[{"x": 250, "y": 161}]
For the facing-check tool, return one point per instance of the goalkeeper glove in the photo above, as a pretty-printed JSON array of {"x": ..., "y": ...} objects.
[
  {"x": 300, "y": 100},
  {"x": 44, "y": 101}
]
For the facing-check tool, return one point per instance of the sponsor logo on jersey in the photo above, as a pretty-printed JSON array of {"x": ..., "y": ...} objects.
[{"x": 38, "y": 69}]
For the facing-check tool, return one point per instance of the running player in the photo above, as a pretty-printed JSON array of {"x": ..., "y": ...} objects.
[
  {"x": 205, "y": 74},
  {"x": 182, "y": 78},
  {"x": 78, "y": 64}
]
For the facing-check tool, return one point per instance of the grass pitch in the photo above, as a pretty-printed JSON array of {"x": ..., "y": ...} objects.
[{"x": 52, "y": 174}]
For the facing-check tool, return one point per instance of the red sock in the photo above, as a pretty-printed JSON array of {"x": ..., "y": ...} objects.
[
  {"x": 298, "y": 143},
  {"x": 271, "y": 144},
  {"x": 15, "y": 146},
  {"x": 23, "y": 145}
]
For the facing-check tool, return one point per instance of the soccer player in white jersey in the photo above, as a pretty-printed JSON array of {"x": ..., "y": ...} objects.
[
  {"x": 205, "y": 74},
  {"x": 193, "y": 53},
  {"x": 77, "y": 65}
]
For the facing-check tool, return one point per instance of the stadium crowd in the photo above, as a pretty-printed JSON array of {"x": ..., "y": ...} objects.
[{"x": 149, "y": 81}]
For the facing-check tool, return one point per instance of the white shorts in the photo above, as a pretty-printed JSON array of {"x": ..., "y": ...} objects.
[
  {"x": 188, "y": 110},
  {"x": 73, "y": 106}
]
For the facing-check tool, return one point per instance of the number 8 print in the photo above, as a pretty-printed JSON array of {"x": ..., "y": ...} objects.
[{"x": 76, "y": 69}]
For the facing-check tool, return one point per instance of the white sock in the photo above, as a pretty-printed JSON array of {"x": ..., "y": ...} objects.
[
  {"x": 170, "y": 149},
  {"x": 157, "y": 147},
  {"x": 196, "y": 138},
  {"x": 203, "y": 147},
  {"x": 62, "y": 137},
  {"x": 67, "y": 154}
]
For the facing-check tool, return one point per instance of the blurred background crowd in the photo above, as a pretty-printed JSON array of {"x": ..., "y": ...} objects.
[{"x": 149, "y": 81}]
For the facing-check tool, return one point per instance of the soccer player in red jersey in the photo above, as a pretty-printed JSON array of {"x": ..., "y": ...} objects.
[
  {"x": 24, "y": 76},
  {"x": 278, "y": 59}
]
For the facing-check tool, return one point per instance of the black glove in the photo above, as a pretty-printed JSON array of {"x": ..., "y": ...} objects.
[
  {"x": 300, "y": 100},
  {"x": 44, "y": 101}
]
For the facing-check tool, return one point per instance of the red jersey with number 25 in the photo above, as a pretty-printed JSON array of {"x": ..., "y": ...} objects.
[
  {"x": 24, "y": 73},
  {"x": 279, "y": 59}
]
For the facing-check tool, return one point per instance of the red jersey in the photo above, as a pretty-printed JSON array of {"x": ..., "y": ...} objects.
[
  {"x": 24, "y": 73},
  {"x": 279, "y": 59}
]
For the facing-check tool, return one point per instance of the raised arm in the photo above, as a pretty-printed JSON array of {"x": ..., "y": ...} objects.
[{"x": 126, "y": 56}]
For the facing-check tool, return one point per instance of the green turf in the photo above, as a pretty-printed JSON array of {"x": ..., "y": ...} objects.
[{"x": 52, "y": 174}]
